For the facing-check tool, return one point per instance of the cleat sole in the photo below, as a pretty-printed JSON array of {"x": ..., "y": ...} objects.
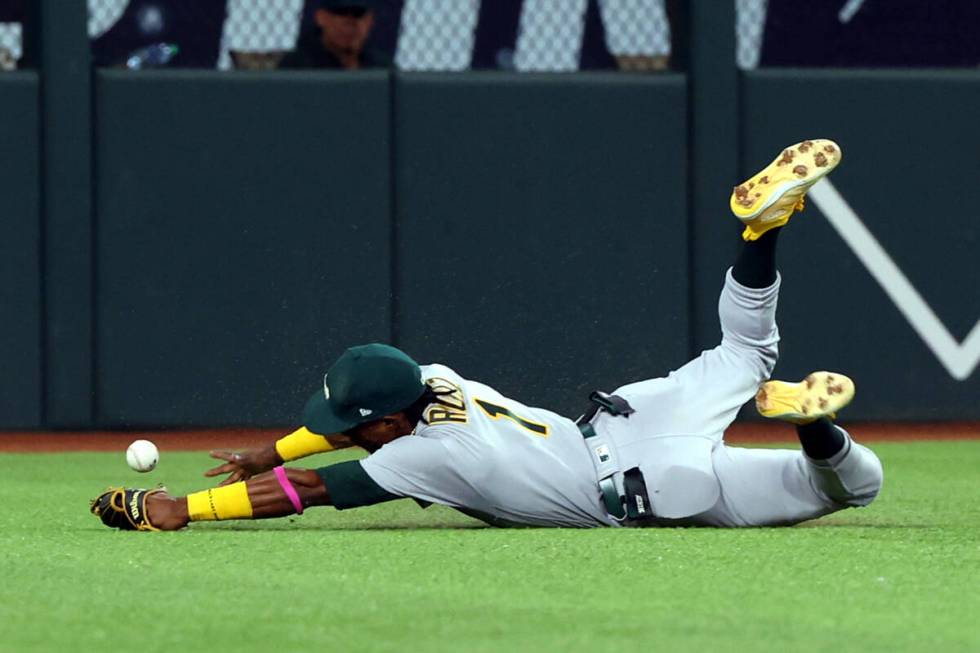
[
  {"x": 821, "y": 394},
  {"x": 796, "y": 169}
]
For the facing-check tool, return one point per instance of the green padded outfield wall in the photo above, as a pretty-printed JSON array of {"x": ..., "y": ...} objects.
[
  {"x": 531, "y": 231},
  {"x": 20, "y": 243},
  {"x": 910, "y": 177},
  {"x": 541, "y": 231},
  {"x": 243, "y": 240},
  {"x": 244, "y": 224}
]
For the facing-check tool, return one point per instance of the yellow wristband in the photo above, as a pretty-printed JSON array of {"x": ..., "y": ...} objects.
[
  {"x": 301, "y": 443},
  {"x": 228, "y": 502}
]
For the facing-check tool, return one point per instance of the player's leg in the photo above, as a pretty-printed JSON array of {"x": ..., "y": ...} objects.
[
  {"x": 773, "y": 487},
  {"x": 701, "y": 399},
  {"x": 278, "y": 493},
  {"x": 747, "y": 306},
  {"x": 713, "y": 386}
]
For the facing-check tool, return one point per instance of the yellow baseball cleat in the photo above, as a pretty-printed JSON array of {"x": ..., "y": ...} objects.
[
  {"x": 768, "y": 199},
  {"x": 820, "y": 394}
]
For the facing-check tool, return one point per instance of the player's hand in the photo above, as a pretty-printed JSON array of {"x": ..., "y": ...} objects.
[{"x": 244, "y": 465}]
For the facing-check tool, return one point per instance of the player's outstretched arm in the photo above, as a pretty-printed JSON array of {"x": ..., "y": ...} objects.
[
  {"x": 270, "y": 494},
  {"x": 298, "y": 444},
  {"x": 278, "y": 493}
]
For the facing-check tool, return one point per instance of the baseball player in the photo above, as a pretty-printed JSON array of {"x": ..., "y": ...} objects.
[{"x": 649, "y": 454}]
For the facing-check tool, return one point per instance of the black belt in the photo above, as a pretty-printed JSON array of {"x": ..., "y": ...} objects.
[
  {"x": 636, "y": 504},
  {"x": 610, "y": 497},
  {"x": 614, "y": 406}
]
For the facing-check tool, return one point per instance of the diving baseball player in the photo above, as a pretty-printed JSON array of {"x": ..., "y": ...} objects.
[{"x": 651, "y": 453}]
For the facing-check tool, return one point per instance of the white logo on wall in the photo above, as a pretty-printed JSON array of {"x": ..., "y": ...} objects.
[{"x": 960, "y": 359}]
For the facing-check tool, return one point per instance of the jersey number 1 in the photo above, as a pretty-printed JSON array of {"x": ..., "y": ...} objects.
[{"x": 496, "y": 412}]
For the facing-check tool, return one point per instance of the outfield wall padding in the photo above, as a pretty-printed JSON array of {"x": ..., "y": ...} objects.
[
  {"x": 541, "y": 241},
  {"x": 67, "y": 211},
  {"x": 910, "y": 175},
  {"x": 20, "y": 247},
  {"x": 242, "y": 243},
  {"x": 533, "y": 231}
]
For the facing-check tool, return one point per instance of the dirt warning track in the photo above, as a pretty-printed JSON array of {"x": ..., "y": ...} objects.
[{"x": 206, "y": 439}]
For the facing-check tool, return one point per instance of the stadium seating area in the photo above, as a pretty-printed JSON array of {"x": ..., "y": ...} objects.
[{"x": 530, "y": 35}]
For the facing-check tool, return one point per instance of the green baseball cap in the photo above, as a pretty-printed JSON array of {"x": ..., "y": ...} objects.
[{"x": 366, "y": 383}]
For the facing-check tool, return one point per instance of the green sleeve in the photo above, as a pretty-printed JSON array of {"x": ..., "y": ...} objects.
[{"x": 349, "y": 486}]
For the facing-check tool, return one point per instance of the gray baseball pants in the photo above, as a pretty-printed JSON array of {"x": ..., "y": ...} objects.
[{"x": 676, "y": 435}]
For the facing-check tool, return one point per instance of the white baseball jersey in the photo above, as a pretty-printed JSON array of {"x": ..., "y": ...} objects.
[
  {"x": 492, "y": 457},
  {"x": 508, "y": 463}
]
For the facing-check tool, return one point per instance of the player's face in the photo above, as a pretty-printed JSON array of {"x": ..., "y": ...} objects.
[{"x": 374, "y": 435}]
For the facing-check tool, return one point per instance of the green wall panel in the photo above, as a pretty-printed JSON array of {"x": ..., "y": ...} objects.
[
  {"x": 541, "y": 229},
  {"x": 243, "y": 230},
  {"x": 911, "y": 158},
  {"x": 20, "y": 272}
]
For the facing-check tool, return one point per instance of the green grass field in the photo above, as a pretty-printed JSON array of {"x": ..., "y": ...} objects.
[{"x": 901, "y": 575}]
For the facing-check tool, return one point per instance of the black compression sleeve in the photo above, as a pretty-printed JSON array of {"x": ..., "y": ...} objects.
[
  {"x": 756, "y": 263},
  {"x": 349, "y": 486},
  {"x": 821, "y": 439}
]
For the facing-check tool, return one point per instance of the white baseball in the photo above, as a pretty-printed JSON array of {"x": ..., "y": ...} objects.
[{"x": 142, "y": 455}]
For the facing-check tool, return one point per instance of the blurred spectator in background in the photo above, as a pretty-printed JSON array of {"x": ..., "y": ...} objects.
[
  {"x": 11, "y": 18},
  {"x": 343, "y": 28}
]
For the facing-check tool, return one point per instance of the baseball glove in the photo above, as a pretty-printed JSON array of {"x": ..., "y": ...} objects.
[{"x": 124, "y": 509}]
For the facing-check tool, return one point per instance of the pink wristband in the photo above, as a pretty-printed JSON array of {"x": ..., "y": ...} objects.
[{"x": 288, "y": 488}]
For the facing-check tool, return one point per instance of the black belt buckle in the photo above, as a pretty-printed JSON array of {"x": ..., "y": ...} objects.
[
  {"x": 612, "y": 404},
  {"x": 638, "y": 505}
]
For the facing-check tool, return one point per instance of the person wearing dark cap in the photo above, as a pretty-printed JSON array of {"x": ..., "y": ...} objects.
[{"x": 339, "y": 42}]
